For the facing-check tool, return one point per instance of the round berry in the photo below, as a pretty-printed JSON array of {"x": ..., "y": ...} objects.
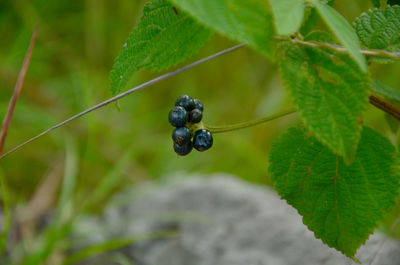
[
  {"x": 203, "y": 140},
  {"x": 181, "y": 135},
  {"x": 185, "y": 102},
  {"x": 198, "y": 104},
  {"x": 178, "y": 117},
  {"x": 183, "y": 150},
  {"x": 195, "y": 116}
]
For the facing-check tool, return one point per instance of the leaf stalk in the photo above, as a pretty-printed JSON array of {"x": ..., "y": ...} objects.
[
  {"x": 340, "y": 49},
  {"x": 246, "y": 124}
]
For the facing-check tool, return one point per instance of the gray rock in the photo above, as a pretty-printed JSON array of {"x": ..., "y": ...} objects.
[{"x": 221, "y": 221}]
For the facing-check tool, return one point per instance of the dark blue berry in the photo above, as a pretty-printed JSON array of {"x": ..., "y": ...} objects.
[
  {"x": 183, "y": 150},
  {"x": 195, "y": 116},
  {"x": 198, "y": 104},
  {"x": 202, "y": 140},
  {"x": 178, "y": 117},
  {"x": 186, "y": 102},
  {"x": 181, "y": 135}
]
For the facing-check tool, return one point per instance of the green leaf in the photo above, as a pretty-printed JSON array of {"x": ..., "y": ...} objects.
[
  {"x": 383, "y": 89},
  {"x": 343, "y": 31},
  {"x": 379, "y": 29},
  {"x": 311, "y": 18},
  {"x": 165, "y": 36},
  {"x": 330, "y": 92},
  {"x": 288, "y": 15},
  {"x": 341, "y": 204},
  {"x": 245, "y": 21}
]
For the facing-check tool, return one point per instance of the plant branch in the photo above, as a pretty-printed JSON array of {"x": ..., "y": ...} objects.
[
  {"x": 246, "y": 124},
  {"x": 373, "y": 99},
  {"x": 340, "y": 49},
  {"x": 124, "y": 94},
  {"x": 17, "y": 91},
  {"x": 385, "y": 106}
]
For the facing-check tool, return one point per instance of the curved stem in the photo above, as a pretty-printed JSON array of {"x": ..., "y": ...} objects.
[
  {"x": 242, "y": 125},
  {"x": 340, "y": 49}
]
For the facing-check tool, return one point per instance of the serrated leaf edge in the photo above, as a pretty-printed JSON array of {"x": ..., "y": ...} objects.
[
  {"x": 370, "y": 11},
  {"x": 117, "y": 89},
  {"x": 395, "y": 169}
]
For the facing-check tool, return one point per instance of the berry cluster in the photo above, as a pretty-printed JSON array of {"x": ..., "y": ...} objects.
[{"x": 186, "y": 117}]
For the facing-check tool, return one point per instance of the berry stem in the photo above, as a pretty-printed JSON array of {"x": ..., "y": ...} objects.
[{"x": 246, "y": 124}]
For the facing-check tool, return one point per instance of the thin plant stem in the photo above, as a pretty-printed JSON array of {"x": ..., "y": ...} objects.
[
  {"x": 340, "y": 49},
  {"x": 17, "y": 91},
  {"x": 124, "y": 94},
  {"x": 242, "y": 125}
]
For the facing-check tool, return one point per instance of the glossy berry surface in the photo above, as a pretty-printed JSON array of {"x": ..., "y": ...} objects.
[
  {"x": 181, "y": 136},
  {"x": 178, "y": 117},
  {"x": 195, "y": 116},
  {"x": 185, "y": 102},
  {"x": 202, "y": 140},
  {"x": 183, "y": 150},
  {"x": 198, "y": 104}
]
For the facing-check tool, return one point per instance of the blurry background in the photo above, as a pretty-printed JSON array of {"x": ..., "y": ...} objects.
[{"x": 75, "y": 49}]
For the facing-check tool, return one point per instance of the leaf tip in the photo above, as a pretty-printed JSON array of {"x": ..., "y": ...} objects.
[
  {"x": 363, "y": 64},
  {"x": 354, "y": 259}
]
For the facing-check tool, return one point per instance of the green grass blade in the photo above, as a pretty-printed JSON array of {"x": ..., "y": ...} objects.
[
  {"x": 70, "y": 173},
  {"x": 6, "y": 213},
  {"x": 60, "y": 228},
  {"x": 121, "y": 259},
  {"x": 113, "y": 244},
  {"x": 110, "y": 181},
  {"x": 47, "y": 242}
]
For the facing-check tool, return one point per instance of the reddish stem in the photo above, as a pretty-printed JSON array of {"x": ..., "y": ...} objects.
[
  {"x": 13, "y": 101},
  {"x": 385, "y": 106}
]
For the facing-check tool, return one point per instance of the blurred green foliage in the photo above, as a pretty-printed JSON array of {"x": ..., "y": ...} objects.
[{"x": 75, "y": 49}]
